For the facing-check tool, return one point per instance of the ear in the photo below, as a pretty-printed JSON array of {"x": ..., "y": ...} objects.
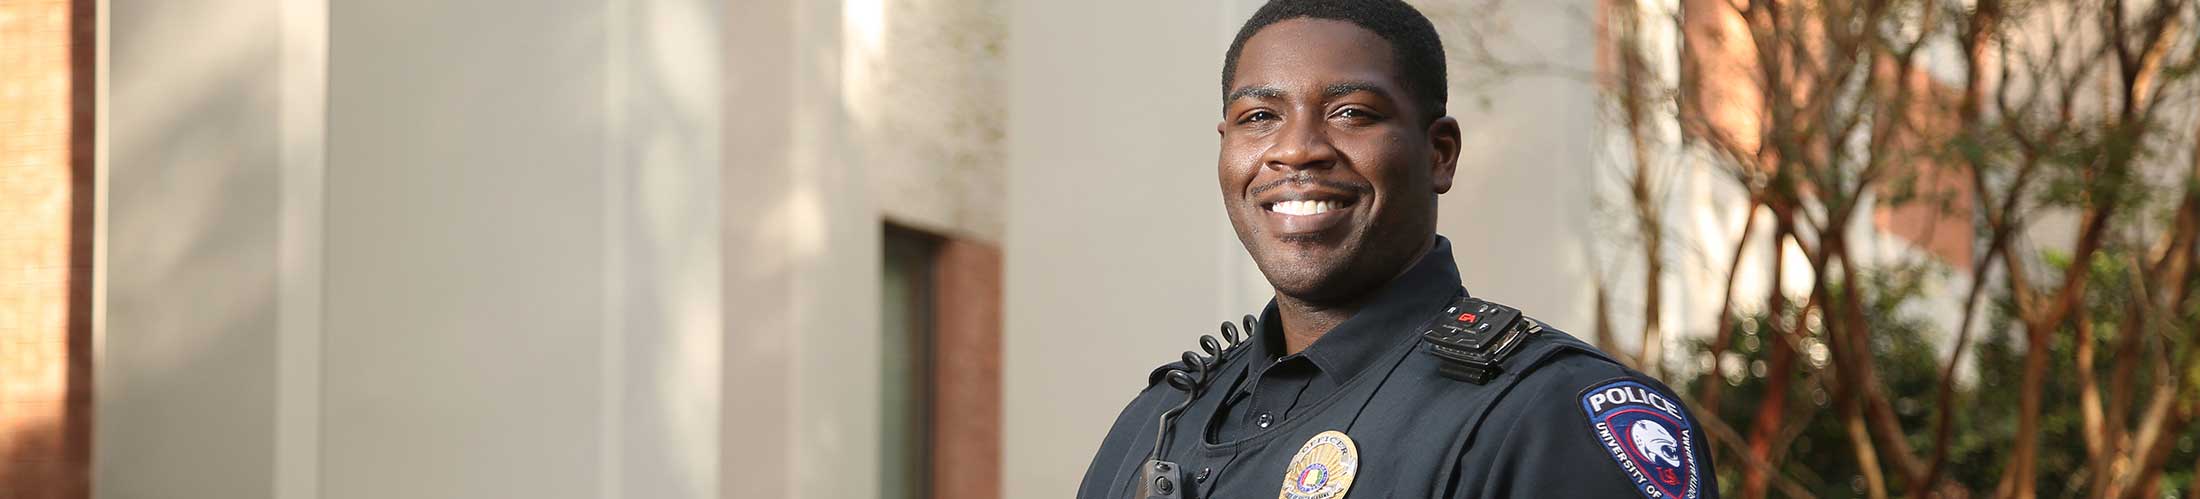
[
  {"x": 1220, "y": 125},
  {"x": 1443, "y": 137}
]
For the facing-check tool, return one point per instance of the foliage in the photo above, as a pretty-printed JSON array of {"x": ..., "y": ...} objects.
[
  {"x": 2067, "y": 145},
  {"x": 1817, "y": 455},
  {"x": 1909, "y": 366}
]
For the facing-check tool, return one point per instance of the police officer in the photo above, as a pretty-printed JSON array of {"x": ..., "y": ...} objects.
[{"x": 1373, "y": 374}]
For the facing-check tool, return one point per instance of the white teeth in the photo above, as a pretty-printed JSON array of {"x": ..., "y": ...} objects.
[{"x": 1303, "y": 207}]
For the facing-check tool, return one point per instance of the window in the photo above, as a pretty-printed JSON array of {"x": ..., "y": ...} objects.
[
  {"x": 906, "y": 308},
  {"x": 940, "y": 317}
]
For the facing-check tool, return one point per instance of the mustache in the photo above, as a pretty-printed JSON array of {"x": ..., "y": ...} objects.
[{"x": 1360, "y": 188}]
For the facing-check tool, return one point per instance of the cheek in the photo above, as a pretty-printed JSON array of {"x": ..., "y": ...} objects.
[
  {"x": 1374, "y": 160},
  {"x": 1393, "y": 170},
  {"x": 1235, "y": 172}
]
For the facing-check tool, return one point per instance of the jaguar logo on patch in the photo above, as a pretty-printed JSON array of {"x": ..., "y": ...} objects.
[{"x": 1648, "y": 434}]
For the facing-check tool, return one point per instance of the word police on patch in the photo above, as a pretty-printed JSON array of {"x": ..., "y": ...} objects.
[{"x": 1648, "y": 435}]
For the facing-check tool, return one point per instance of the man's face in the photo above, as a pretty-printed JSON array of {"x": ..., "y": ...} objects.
[{"x": 1329, "y": 168}]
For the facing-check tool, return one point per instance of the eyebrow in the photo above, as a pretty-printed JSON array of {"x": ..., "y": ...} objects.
[
  {"x": 1330, "y": 91},
  {"x": 1256, "y": 91},
  {"x": 1341, "y": 89}
]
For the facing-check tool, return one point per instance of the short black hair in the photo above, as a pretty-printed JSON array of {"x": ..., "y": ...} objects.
[{"x": 1415, "y": 49}]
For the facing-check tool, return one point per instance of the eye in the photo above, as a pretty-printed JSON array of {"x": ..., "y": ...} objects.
[
  {"x": 1357, "y": 114},
  {"x": 1258, "y": 116}
]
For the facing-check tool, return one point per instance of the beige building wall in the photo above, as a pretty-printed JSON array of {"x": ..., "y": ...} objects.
[
  {"x": 187, "y": 313},
  {"x": 923, "y": 84},
  {"x": 410, "y": 249},
  {"x": 521, "y": 262},
  {"x": 802, "y": 293}
]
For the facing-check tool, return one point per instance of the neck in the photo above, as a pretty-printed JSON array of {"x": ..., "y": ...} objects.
[{"x": 1305, "y": 322}]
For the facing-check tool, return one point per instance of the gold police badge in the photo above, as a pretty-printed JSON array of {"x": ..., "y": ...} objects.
[{"x": 1322, "y": 469}]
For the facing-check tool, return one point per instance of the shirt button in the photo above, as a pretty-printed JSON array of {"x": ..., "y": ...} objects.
[
  {"x": 1264, "y": 419},
  {"x": 1202, "y": 476}
]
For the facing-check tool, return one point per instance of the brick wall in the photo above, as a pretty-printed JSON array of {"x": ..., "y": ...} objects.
[
  {"x": 1721, "y": 60},
  {"x": 45, "y": 247},
  {"x": 966, "y": 375}
]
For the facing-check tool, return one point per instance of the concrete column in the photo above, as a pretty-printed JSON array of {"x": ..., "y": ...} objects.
[
  {"x": 411, "y": 249},
  {"x": 802, "y": 383},
  {"x": 521, "y": 271}
]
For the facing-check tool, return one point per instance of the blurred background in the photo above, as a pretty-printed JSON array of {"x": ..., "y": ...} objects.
[{"x": 929, "y": 248}]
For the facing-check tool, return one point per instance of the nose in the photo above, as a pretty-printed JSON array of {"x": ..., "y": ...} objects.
[{"x": 1303, "y": 144}]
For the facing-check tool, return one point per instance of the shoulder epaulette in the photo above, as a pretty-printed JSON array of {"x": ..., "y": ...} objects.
[{"x": 1474, "y": 337}]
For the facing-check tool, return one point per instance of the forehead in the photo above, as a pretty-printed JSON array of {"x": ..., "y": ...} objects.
[{"x": 1307, "y": 52}]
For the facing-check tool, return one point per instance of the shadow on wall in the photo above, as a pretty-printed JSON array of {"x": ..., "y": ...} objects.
[{"x": 187, "y": 373}]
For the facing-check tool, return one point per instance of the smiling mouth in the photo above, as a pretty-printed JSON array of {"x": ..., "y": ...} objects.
[
  {"x": 1307, "y": 207},
  {"x": 1309, "y": 217}
]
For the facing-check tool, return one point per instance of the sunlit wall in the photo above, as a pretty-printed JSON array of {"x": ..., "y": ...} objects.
[{"x": 45, "y": 392}]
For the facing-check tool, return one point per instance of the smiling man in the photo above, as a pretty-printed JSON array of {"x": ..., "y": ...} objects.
[{"x": 1372, "y": 373}]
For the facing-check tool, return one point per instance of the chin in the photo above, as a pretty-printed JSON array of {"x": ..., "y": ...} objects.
[{"x": 1307, "y": 278}]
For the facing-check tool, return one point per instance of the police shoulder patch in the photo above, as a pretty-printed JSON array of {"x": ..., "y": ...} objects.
[{"x": 1648, "y": 434}]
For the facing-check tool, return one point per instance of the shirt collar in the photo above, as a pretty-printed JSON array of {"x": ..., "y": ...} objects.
[{"x": 1397, "y": 308}]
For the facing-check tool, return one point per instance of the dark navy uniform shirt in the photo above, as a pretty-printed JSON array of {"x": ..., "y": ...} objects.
[{"x": 1560, "y": 419}]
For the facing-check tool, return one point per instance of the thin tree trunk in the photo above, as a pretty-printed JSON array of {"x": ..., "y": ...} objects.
[
  {"x": 2028, "y": 412},
  {"x": 2041, "y": 321},
  {"x": 1772, "y": 407},
  {"x": 1984, "y": 20},
  {"x": 2098, "y": 447},
  {"x": 1708, "y": 383},
  {"x": 1724, "y": 433},
  {"x": 1604, "y": 319},
  {"x": 1635, "y": 103},
  {"x": 1870, "y": 392},
  {"x": 1867, "y": 459},
  {"x": 1850, "y": 395},
  {"x": 1944, "y": 422},
  {"x": 2156, "y": 436}
]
